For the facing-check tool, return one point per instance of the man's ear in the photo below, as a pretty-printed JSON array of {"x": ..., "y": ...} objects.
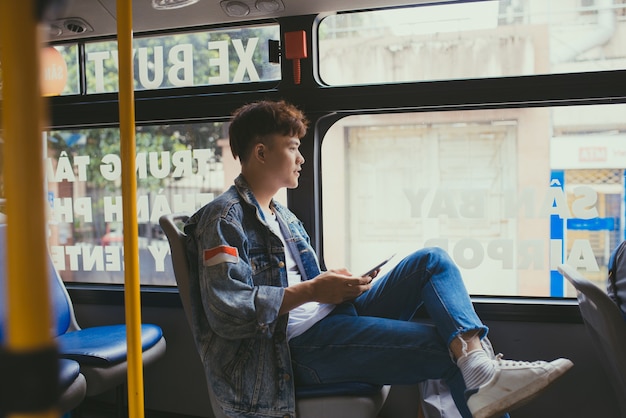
[{"x": 259, "y": 151}]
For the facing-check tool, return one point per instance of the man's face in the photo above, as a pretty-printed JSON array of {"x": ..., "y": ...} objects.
[{"x": 283, "y": 160}]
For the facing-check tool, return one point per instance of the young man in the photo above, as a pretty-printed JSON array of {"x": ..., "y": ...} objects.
[{"x": 267, "y": 319}]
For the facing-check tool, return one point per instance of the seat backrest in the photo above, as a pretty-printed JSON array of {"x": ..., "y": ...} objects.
[
  {"x": 606, "y": 326},
  {"x": 64, "y": 319},
  {"x": 176, "y": 238},
  {"x": 64, "y": 309}
]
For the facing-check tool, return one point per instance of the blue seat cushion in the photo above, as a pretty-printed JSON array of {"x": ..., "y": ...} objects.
[
  {"x": 103, "y": 345},
  {"x": 337, "y": 389},
  {"x": 68, "y": 372}
]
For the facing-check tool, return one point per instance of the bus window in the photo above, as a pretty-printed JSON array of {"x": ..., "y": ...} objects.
[
  {"x": 477, "y": 39},
  {"x": 179, "y": 168},
  {"x": 60, "y": 70},
  {"x": 224, "y": 56},
  {"x": 509, "y": 193}
]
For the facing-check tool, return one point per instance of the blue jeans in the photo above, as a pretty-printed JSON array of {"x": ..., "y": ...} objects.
[{"x": 375, "y": 339}]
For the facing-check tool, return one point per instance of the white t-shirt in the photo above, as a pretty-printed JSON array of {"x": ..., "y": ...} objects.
[{"x": 306, "y": 315}]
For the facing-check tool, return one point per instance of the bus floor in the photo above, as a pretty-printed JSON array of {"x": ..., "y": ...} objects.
[{"x": 95, "y": 408}]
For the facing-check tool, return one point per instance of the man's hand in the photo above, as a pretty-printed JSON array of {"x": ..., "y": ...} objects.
[
  {"x": 336, "y": 286},
  {"x": 333, "y": 286}
]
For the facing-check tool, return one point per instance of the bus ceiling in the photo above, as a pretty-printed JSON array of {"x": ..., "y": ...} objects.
[{"x": 80, "y": 19}]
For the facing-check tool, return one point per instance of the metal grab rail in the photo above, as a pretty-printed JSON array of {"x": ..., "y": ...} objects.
[
  {"x": 132, "y": 295},
  {"x": 29, "y": 343}
]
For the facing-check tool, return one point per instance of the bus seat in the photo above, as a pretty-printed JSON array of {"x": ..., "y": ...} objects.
[
  {"x": 72, "y": 383},
  {"x": 72, "y": 388},
  {"x": 101, "y": 351},
  {"x": 606, "y": 327},
  {"x": 350, "y": 400}
]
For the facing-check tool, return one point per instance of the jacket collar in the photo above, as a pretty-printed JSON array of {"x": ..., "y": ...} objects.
[{"x": 243, "y": 188}]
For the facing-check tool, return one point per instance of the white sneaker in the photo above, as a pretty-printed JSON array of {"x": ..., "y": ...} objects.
[{"x": 514, "y": 383}]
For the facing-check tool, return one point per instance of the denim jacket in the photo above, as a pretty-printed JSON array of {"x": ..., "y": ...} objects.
[{"x": 239, "y": 334}]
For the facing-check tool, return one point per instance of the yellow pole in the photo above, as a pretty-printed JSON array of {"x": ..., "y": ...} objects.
[
  {"x": 132, "y": 297},
  {"x": 28, "y": 302}
]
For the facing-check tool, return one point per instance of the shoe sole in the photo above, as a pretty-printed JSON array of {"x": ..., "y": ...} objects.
[{"x": 523, "y": 395}]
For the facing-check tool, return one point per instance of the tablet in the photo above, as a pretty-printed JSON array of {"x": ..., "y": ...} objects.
[{"x": 377, "y": 266}]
